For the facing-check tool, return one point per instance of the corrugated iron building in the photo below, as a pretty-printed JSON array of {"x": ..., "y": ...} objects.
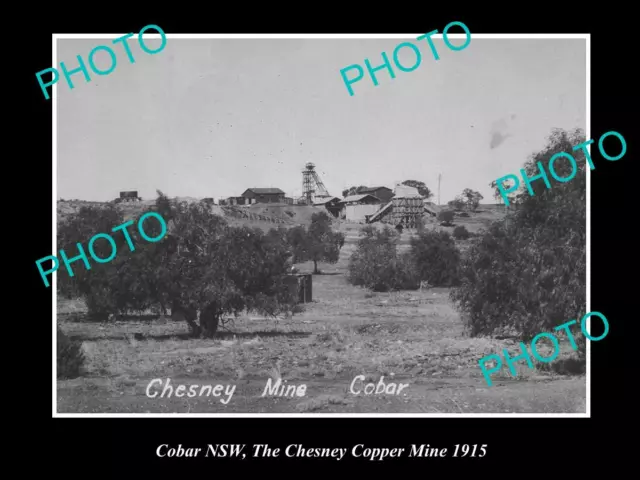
[
  {"x": 264, "y": 195},
  {"x": 383, "y": 193},
  {"x": 332, "y": 204},
  {"x": 356, "y": 208}
]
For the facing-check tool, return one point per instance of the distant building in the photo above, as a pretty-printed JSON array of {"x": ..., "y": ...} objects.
[
  {"x": 404, "y": 191},
  {"x": 235, "y": 201},
  {"x": 357, "y": 208},
  {"x": 383, "y": 193},
  {"x": 264, "y": 195},
  {"x": 288, "y": 200},
  {"x": 130, "y": 196}
]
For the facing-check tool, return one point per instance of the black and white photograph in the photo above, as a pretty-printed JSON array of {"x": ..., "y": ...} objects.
[{"x": 321, "y": 225}]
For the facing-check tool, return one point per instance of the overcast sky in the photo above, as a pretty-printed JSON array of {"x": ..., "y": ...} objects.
[{"x": 212, "y": 117}]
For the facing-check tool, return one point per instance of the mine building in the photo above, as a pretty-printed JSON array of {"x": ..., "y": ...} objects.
[
  {"x": 383, "y": 193},
  {"x": 332, "y": 204},
  {"x": 263, "y": 195},
  {"x": 130, "y": 196},
  {"x": 357, "y": 208}
]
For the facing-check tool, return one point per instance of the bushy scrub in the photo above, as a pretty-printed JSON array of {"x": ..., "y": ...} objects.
[
  {"x": 461, "y": 233},
  {"x": 201, "y": 265},
  {"x": 318, "y": 243},
  {"x": 436, "y": 258},
  {"x": 376, "y": 264},
  {"x": 70, "y": 356},
  {"x": 446, "y": 217},
  {"x": 528, "y": 272}
]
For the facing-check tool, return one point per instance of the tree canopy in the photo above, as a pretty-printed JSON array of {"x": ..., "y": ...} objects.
[
  {"x": 353, "y": 190},
  {"x": 318, "y": 242},
  {"x": 202, "y": 264},
  {"x": 422, "y": 188},
  {"x": 528, "y": 272}
]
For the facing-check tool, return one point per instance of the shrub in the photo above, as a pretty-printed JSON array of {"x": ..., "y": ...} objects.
[
  {"x": 457, "y": 203},
  {"x": 528, "y": 272},
  {"x": 461, "y": 233},
  {"x": 318, "y": 242},
  {"x": 70, "y": 356},
  {"x": 446, "y": 216},
  {"x": 376, "y": 265},
  {"x": 201, "y": 265},
  {"x": 436, "y": 258},
  {"x": 471, "y": 198}
]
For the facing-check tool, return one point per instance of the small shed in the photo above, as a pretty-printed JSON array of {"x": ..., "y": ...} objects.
[{"x": 129, "y": 196}]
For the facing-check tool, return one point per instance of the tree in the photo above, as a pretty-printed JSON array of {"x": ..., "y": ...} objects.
[
  {"x": 298, "y": 240},
  {"x": 436, "y": 258},
  {"x": 423, "y": 190},
  {"x": 446, "y": 217},
  {"x": 527, "y": 273},
  {"x": 80, "y": 228},
  {"x": 461, "y": 233},
  {"x": 457, "y": 203},
  {"x": 376, "y": 264},
  {"x": 201, "y": 268},
  {"x": 497, "y": 196},
  {"x": 471, "y": 198},
  {"x": 318, "y": 243},
  {"x": 353, "y": 191}
]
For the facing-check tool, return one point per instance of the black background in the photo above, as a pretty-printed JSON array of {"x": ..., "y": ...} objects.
[{"x": 125, "y": 448}]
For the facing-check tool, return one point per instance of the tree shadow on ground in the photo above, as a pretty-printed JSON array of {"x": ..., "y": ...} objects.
[
  {"x": 84, "y": 318},
  {"x": 228, "y": 335}
]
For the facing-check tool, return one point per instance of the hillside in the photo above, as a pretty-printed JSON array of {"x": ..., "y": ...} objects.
[
  {"x": 268, "y": 216},
  {"x": 261, "y": 216}
]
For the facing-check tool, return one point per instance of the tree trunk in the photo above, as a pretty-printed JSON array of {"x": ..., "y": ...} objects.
[
  {"x": 189, "y": 315},
  {"x": 209, "y": 319},
  {"x": 315, "y": 267}
]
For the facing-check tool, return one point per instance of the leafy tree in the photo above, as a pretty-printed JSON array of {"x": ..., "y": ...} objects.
[
  {"x": 376, "y": 264},
  {"x": 527, "y": 274},
  {"x": 461, "y": 233},
  {"x": 80, "y": 228},
  {"x": 471, "y": 198},
  {"x": 457, "y": 203},
  {"x": 318, "y": 243},
  {"x": 353, "y": 190},
  {"x": 446, "y": 216},
  {"x": 497, "y": 195},
  {"x": 422, "y": 188},
  {"x": 468, "y": 199},
  {"x": 202, "y": 267},
  {"x": 436, "y": 258},
  {"x": 69, "y": 355}
]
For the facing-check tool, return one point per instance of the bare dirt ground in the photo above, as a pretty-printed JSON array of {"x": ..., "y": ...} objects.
[{"x": 416, "y": 338}]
